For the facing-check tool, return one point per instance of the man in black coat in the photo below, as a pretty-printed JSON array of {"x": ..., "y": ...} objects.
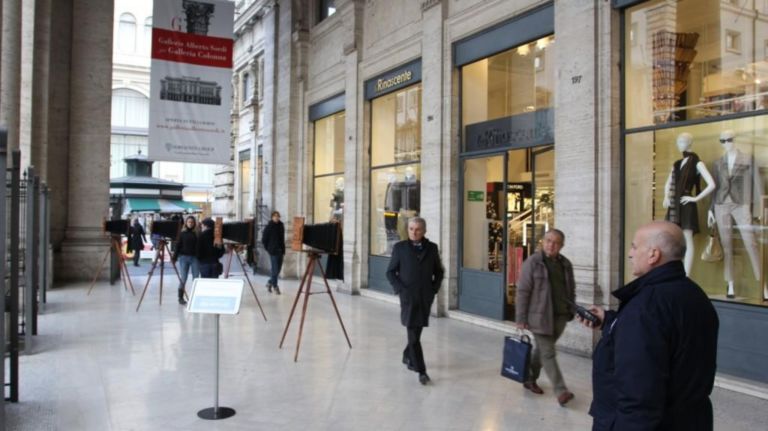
[
  {"x": 415, "y": 272},
  {"x": 654, "y": 366},
  {"x": 273, "y": 239},
  {"x": 136, "y": 240}
]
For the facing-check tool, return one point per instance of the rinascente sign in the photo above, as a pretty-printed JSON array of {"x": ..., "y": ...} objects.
[
  {"x": 403, "y": 76},
  {"x": 190, "y": 87}
]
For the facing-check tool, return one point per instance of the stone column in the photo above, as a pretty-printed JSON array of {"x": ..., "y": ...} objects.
[
  {"x": 355, "y": 156},
  {"x": 270, "y": 100},
  {"x": 89, "y": 129},
  {"x": 58, "y": 117},
  {"x": 10, "y": 71},
  {"x": 436, "y": 179},
  {"x": 586, "y": 162}
]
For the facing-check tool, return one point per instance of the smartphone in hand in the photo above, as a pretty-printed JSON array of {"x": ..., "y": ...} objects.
[{"x": 584, "y": 313}]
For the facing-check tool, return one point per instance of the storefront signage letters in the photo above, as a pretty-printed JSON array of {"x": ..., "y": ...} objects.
[{"x": 522, "y": 130}]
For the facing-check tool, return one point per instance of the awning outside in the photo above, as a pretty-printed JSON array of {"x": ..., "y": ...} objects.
[{"x": 135, "y": 205}]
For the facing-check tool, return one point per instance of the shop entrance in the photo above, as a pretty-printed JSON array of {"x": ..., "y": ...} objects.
[{"x": 507, "y": 206}]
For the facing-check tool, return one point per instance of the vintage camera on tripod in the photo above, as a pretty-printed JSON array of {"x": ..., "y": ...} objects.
[
  {"x": 324, "y": 237},
  {"x": 116, "y": 227},
  {"x": 167, "y": 229}
]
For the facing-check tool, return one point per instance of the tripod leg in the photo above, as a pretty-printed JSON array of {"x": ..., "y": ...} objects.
[
  {"x": 333, "y": 301},
  {"x": 296, "y": 301},
  {"x": 162, "y": 273},
  {"x": 176, "y": 270},
  {"x": 307, "y": 288},
  {"x": 245, "y": 271},
  {"x": 229, "y": 261},
  {"x": 149, "y": 278},
  {"x": 98, "y": 271},
  {"x": 123, "y": 268}
]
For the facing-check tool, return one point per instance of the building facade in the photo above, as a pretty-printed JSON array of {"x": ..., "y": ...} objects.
[{"x": 497, "y": 120}]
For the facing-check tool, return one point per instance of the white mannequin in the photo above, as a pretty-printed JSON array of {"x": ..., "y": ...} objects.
[
  {"x": 684, "y": 143},
  {"x": 727, "y": 138}
]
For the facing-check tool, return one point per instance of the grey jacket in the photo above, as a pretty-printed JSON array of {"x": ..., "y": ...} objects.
[
  {"x": 744, "y": 185},
  {"x": 533, "y": 299}
]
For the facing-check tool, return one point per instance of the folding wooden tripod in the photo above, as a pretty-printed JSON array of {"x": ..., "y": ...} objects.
[
  {"x": 233, "y": 251},
  {"x": 114, "y": 244},
  {"x": 306, "y": 283},
  {"x": 162, "y": 247}
]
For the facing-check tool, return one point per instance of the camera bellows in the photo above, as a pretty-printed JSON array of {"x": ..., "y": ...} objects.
[{"x": 323, "y": 236}]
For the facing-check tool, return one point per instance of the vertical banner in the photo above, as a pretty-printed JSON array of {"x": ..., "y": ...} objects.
[{"x": 191, "y": 92}]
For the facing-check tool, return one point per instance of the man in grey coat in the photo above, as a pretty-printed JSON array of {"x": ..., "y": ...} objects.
[
  {"x": 544, "y": 290},
  {"x": 415, "y": 272}
]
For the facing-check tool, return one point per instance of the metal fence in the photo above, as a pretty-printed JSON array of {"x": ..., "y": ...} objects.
[{"x": 24, "y": 252}]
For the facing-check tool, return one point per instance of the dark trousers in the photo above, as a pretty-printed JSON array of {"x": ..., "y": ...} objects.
[
  {"x": 277, "y": 264},
  {"x": 136, "y": 256},
  {"x": 413, "y": 352},
  {"x": 208, "y": 270}
]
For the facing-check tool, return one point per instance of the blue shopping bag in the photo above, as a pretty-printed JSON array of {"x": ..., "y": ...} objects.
[{"x": 517, "y": 356}]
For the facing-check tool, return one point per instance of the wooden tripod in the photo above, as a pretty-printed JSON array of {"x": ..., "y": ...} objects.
[
  {"x": 233, "y": 251},
  {"x": 306, "y": 282},
  {"x": 162, "y": 247},
  {"x": 114, "y": 244}
]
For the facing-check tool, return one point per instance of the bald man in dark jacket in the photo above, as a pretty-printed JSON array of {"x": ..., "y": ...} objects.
[
  {"x": 654, "y": 366},
  {"x": 415, "y": 272}
]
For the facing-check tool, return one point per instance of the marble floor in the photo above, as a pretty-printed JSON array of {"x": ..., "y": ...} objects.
[{"x": 97, "y": 364}]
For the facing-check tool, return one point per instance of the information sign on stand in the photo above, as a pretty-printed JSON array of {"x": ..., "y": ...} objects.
[{"x": 216, "y": 296}]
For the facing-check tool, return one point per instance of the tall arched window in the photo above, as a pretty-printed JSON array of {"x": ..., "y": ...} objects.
[
  {"x": 129, "y": 109},
  {"x": 246, "y": 88},
  {"x": 126, "y": 33},
  {"x": 148, "y": 35}
]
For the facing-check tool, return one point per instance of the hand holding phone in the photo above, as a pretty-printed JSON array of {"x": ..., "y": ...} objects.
[{"x": 585, "y": 314}]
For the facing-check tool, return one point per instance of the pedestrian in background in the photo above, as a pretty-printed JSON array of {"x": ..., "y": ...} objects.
[
  {"x": 136, "y": 240},
  {"x": 273, "y": 239},
  {"x": 415, "y": 273},
  {"x": 654, "y": 366},
  {"x": 542, "y": 298},
  {"x": 209, "y": 253},
  {"x": 186, "y": 254}
]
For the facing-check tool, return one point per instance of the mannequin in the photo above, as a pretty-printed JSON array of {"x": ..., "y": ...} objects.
[
  {"x": 737, "y": 193},
  {"x": 678, "y": 194}
]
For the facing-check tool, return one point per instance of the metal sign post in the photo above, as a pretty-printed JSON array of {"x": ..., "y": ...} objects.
[
  {"x": 216, "y": 296},
  {"x": 3, "y": 219}
]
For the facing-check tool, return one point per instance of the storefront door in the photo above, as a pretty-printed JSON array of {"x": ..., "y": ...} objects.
[{"x": 507, "y": 205}]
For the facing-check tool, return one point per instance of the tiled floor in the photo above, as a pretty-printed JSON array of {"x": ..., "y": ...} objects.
[{"x": 99, "y": 365}]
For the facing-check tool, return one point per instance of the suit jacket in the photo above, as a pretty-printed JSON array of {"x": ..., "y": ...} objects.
[
  {"x": 743, "y": 185},
  {"x": 415, "y": 277}
]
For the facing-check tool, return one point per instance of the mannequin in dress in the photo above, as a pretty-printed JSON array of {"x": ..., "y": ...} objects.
[
  {"x": 679, "y": 199},
  {"x": 737, "y": 198}
]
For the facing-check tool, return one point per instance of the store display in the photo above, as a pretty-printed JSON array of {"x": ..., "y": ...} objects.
[{"x": 673, "y": 54}]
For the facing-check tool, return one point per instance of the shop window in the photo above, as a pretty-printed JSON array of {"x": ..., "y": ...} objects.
[
  {"x": 130, "y": 109},
  {"x": 508, "y": 84},
  {"x": 244, "y": 158},
  {"x": 329, "y": 169},
  {"x": 691, "y": 61},
  {"x": 126, "y": 33},
  {"x": 395, "y": 167}
]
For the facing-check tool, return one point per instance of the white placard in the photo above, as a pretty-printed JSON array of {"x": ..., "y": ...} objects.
[{"x": 215, "y": 296}]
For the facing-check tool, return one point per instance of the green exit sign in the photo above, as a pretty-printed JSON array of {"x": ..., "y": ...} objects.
[{"x": 475, "y": 196}]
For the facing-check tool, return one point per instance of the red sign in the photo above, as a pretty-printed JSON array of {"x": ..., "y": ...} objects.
[{"x": 191, "y": 48}]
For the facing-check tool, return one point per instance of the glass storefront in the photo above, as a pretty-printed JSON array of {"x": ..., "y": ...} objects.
[
  {"x": 245, "y": 183},
  {"x": 329, "y": 169},
  {"x": 696, "y": 142},
  {"x": 395, "y": 166},
  {"x": 508, "y": 191}
]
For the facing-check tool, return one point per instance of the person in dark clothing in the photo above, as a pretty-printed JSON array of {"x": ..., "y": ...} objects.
[
  {"x": 273, "y": 239},
  {"x": 185, "y": 253},
  {"x": 654, "y": 366},
  {"x": 208, "y": 253},
  {"x": 136, "y": 241},
  {"x": 415, "y": 273}
]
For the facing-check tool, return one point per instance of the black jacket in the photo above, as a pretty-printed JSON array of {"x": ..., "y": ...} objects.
[
  {"x": 654, "y": 366},
  {"x": 273, "y": 238},
  {"x": 186, "y": 245},
  {"x": 416, "y": 278},
  {"x": 207, "y": 252},
  {"x": 137, "y": 239}
]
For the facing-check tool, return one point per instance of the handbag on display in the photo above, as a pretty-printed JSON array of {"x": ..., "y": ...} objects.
[
  {"x": 517, "y": 356},
  {"x": 713, "y": 251}
]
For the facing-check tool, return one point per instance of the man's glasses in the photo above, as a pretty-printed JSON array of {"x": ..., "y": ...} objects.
[{"x": 722, "y": 141}]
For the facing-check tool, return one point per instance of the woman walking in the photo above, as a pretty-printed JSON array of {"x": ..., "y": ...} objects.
[
  {"x": 136, "y": 241},
  {"x": 186, "y": 254}
]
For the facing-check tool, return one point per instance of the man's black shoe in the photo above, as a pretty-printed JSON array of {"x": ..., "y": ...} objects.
[
  {"x": 424, "y": 378},
  {"x": 407, "y": 363},
  {"x": 277, "y": 290},
  {"x": 182, "y": 301}
]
